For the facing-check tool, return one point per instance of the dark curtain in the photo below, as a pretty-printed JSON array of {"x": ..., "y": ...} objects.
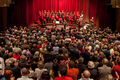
[
  {"x": 93, "y": 7},
  {"x": 106, "y": 14},
  {"x": 1, "y": 17},
  {"x": 17, "y": 13},
  {"x": 34, "y": 6}
]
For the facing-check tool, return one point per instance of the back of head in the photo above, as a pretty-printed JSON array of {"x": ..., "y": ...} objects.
[
  {"x": 66, "y": 56},
  {"x": 105, "y": 61},
  {"x": 24, "y": 72},
  {"x": 81, "y": 60},
  {"x": 45, "y": 76},
  {"x": 40, "y": 65},
  {"x": 118, "y": 61},
  {"x": 22, "y": 58},
  {"x": 86, "y": 74},
  {"x": 71, "y": 64},
  {"x": 63, "y": 70},
  {"x": 8, "y": 74}
]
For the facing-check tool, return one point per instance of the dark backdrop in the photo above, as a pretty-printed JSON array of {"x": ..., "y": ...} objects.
[
  {"x": 17, "y": 13},
  {"x": 0, "y": 17},
  {"x": 106, "y": 14}
]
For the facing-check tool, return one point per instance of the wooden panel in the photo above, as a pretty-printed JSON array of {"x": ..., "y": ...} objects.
[
  {"x": 115, "y": 3},
  {"x": 5, "y": 3},
  {"x": 118, "y": 20}
]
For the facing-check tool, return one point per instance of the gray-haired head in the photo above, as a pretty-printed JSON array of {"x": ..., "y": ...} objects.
[
  {"x": 24, "y": 72},
  {"x": 105, "y": 61},
  {"x": 81, "y": 60}
]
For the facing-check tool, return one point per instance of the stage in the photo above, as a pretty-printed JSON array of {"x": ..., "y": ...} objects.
[{"x": 51, "y": 25}]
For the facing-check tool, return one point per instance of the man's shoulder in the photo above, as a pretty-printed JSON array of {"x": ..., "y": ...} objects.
[
  {"x": 24, "y": 79},
  {"x": 104, "y": 67}
]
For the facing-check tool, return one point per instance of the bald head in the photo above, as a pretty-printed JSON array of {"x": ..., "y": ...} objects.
[{"x": 86, "y": 74}]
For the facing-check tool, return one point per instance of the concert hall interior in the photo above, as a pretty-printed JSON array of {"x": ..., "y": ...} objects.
[
  {"x": 25, "y": 12},
  {"x": 59, "y": 39}
]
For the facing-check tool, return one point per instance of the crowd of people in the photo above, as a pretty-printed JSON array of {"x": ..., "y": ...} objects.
[{"x": 59, "y": 54}]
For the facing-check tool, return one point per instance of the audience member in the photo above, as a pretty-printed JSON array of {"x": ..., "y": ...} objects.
[
  {"x": 86, "y": 75},
  {"x": 72, "y": 71},
  {"x": 104, "y": 70},
  {"x": 63, "y": 72},
  {"x": 24, "y": 73}
]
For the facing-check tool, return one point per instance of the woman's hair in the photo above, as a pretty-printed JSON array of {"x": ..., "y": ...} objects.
[
  {"x": 63, "y": 70},
  {"x": 71, "y": 64},
  {"x": 66, "y": 56},
  {"x": 8, "y": 74},
  {"x": 118, "y": 61},
  {"x": 45, "y": 76},
  {"x": 22, "y": 57}
]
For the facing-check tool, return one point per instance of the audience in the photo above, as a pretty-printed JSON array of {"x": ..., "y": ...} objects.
[{"x": 64, "y": 54}]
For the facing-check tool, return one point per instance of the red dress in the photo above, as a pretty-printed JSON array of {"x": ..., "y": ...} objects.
[{"x": 116, "y": 68}]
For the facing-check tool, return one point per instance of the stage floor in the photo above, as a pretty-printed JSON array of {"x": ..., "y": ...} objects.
[
  {"x": 50, "y": 25},
  {"x": 60, "y": 26}
]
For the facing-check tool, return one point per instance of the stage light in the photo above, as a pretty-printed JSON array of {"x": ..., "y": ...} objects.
[
  {"x": 115, "y": 3},
  {"x": 5, "y": 3}
]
